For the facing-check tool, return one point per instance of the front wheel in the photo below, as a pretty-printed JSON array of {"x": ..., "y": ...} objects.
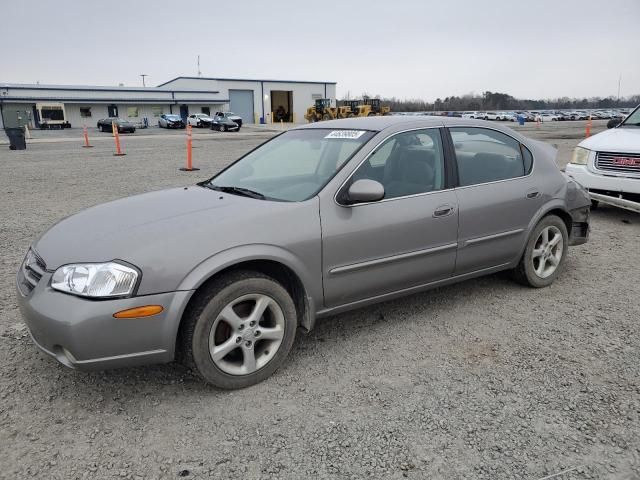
[
  {"x": 544, "y": 254},
  {"x": 223, "y": 128},
  {"x": 239, "y": 331}
]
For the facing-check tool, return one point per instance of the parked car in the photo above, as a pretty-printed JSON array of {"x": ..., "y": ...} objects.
[
  {"x": 492, "y": 116},
  {"x": 469, "y": 114},
  {"x": 222, "y": 274},
  {"x": 106, "y": 125},
  {"x": 224, "y": 124},
  {"x": 547, "y": 117},
  {"x": 481, "y": 116},
  {"x": 230, "y": 116},
  {"x": 608, "y": 163},
  {"x": 528, "y": 117},
  {"x": 168, "y": 120},
  {"x": 199, "y": 120}
]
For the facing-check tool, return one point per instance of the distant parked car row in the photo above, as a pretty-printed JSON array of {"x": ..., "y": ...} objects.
[
  {"x": 542, "y": 116},
  {"x": 221, "y": 121},
  {"x": 528, "y": 116}
]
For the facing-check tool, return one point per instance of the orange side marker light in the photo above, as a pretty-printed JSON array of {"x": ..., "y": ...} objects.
[{"x": 139, "y": 312}]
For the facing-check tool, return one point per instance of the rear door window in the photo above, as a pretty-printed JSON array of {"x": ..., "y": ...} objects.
[{"x": 485, "y": 155}]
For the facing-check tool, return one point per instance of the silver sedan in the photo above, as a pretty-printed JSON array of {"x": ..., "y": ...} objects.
[{"x": 321, "y": 219}]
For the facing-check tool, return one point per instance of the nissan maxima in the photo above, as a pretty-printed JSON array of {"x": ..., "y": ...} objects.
[{"x": 318, "y": 220}]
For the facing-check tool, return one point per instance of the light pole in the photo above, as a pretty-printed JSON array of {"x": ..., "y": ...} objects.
[{"x": 143, "y": 75}]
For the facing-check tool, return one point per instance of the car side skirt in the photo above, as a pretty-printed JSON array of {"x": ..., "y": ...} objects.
[{"x": 411, "y": 290}]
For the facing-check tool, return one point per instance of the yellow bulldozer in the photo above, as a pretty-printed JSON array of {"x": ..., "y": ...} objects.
[
  {"x": 371, "y": 107},
  {"x": 322, "y": 110}
]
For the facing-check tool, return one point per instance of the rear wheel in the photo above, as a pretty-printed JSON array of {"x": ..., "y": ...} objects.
[
  {"x": 544, "y": 254},
  {"x": 239, "y": 331}
]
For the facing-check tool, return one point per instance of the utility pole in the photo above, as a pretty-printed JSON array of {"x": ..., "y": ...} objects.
[
  {"x": 199, "y": 72},
  {"x": 143, "y": 75},
  {"x": 619, "y": 80}
]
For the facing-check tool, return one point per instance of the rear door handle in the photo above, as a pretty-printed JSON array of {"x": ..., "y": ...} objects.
[{"x": 443, "y": 211}]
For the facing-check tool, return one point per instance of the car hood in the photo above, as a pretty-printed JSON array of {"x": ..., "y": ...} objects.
[
  {"x": 625, "y": 140},
  {"x": 168, "y": 232}
]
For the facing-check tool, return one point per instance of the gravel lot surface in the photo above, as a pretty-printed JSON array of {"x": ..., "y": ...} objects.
[{"x": 484, "y": 379}]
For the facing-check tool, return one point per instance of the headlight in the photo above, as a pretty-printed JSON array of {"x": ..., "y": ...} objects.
[
  {"x": 580, "y": 156},
  {"x": 97, "y": 280}
]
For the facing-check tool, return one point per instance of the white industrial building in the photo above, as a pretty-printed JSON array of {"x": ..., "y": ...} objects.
[{"x": 255, "y": 101}]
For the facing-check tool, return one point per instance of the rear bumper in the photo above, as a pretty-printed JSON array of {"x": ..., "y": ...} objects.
[
  {"x": 580, "y": 228},
  {"x": 83, "y": 334},
  {"x": 604, "y": 182}
]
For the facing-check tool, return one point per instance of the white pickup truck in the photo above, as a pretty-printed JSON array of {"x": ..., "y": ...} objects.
[{"x": 608, "y": 164}]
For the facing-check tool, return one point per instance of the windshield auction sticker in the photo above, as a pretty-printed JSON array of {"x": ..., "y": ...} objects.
[{"x": 346, "y": 134}]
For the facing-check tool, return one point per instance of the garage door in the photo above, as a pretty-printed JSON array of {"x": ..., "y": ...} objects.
[{"x": 241, "y": 103}]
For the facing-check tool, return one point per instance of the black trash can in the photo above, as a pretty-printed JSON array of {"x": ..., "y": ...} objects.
[{"x": 16, "y": 138}]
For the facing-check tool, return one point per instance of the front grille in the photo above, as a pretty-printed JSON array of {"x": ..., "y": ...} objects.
[
  {"x": 31, "y": 271},
  {"x": 618, "y": 162}
]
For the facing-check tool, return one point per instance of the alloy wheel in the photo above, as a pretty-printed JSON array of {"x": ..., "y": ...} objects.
[
  {"x": 547, "y": 251},
  {"x": 246, "y": 334}
]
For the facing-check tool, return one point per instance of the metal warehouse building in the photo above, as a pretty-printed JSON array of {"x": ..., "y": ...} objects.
[{"x": 254, "y": 100}]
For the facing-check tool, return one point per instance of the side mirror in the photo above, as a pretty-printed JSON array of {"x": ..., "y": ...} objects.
[
  {"x": 365, "y": 190},
  {"x": 614, "y": 122}
]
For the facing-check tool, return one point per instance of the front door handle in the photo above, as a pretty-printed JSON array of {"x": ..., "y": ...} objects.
[{"x": 443, "y": 211}]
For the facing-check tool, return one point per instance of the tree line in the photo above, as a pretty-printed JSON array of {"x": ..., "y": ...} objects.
[{"x": 503, "y": 101}]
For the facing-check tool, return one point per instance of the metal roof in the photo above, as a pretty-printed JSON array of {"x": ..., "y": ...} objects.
[
  {"x": 98, "y": 88},
  {"x": 245, "y": 80}
]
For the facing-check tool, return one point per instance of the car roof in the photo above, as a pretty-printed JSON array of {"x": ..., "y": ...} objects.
[{"x": 379, "y": 123}]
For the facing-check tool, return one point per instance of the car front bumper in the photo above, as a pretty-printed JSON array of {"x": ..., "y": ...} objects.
[
  {"x": 596, "y": 181},
  {"x": 82, "y": 333}
]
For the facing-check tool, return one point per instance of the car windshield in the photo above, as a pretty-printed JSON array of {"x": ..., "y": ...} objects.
[
  {"x": 633, "y": 119},
  {"x": 293, "y": 166}
]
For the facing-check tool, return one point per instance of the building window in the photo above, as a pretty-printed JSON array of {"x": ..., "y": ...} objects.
[
  {"x": 156, "y": 111},
  {"x": 132, "y": 112},
  {"x": 85, "y": 112},
  {"x": 206, "y": 111}
]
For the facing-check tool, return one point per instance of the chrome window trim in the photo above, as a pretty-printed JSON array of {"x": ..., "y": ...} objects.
[{"x": 335, "y": 195}]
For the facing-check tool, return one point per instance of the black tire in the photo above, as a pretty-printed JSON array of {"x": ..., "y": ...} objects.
[
  {"x": 103, "y": 128},
  {"x": 193, "y": 338},
  {"x": 223, "y": 128},
  {"x": 524, "y": 273}
]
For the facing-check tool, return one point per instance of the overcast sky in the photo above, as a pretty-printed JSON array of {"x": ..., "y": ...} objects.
[{"x": 404, "y": 48}]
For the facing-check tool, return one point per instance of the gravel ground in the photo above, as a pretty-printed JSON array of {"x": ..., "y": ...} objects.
[{"x": 485, "y": 379}]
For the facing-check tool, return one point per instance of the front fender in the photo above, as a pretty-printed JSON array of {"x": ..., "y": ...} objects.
[{"x": 227, "y": 258}]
